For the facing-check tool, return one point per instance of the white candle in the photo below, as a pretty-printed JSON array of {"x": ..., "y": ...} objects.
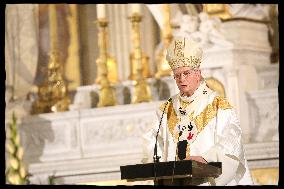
[
  {"x": 136, "y": 8},
  {"x": 101, "y": 11}
]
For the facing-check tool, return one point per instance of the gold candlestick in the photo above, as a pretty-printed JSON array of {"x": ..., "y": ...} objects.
[
  {"x": 163, "y": 68},
  {"x": 111, "y": 64},
  {"x": 134, "y": 65},
  {"x": 53, "y": 91},
  {"x": 106, "y": 93},
  {"x": 142, "y": 91}
]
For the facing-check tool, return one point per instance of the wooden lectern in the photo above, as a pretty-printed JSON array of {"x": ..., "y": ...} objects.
[{"x": 184, "y": 172}]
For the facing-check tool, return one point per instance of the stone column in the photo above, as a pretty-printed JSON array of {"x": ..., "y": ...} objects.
[
  {"x": 232, "y": 90},
  {"x": 247, "y": 81}
]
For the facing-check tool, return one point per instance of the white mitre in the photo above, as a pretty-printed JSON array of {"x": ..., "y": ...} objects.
[{"x": 184, "y": 52}]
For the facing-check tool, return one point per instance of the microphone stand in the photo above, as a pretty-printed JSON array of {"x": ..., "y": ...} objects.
[{"x": 156, "y": 158}]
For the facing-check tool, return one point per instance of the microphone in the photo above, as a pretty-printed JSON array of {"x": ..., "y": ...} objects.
[{"x": 156, "y": 157}]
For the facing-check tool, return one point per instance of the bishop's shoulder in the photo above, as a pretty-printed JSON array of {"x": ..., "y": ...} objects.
[{"x": 222, "y": 103}]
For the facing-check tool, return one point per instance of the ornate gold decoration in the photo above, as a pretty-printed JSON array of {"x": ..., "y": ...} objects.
[
  {"x": 112, "y": 69},
  {"x": 15, "y": 172},
  {"x": 163, "y": 68},
  {"x": 145, "y": 66},
  {"x": 107, "y": 92},
  {"x": 112, "y": 75},
  {"x": 172, "y": 118},
  {"x": 219, "y": 10},
  {"x": 142, "y": 91},
  {"x": 215, "y": 85},
  {"x": 210, "y": 112},
  {"x": 53, "y": 91},
  {"x": 72, "y": 66}
]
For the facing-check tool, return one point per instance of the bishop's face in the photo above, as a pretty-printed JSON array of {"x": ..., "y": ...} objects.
[{"x": 187, "y": 79}]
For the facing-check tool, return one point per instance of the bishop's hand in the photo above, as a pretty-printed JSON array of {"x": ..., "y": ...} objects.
[{"x": 197, "y": 158}]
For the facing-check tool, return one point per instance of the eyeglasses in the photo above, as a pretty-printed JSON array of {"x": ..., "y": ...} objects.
[{"x": 185, "y": 74}]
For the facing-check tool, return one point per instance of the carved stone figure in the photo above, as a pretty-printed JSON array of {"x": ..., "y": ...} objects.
[{"x": 212, "y": 31}]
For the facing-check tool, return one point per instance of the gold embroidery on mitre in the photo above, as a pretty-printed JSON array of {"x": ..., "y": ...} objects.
[
  {"x": 179, "y": 48},
  {"x": 180, "y": 59},
  {"x": 190, "y": 61},
  {"x": 210, "y": 112}
]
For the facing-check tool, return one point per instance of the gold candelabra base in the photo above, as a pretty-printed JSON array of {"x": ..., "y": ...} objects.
[
  {"x": 50, "y": 106},
  {"x": 163, "y": 73},
  {"x": 106, "y": 94},
  {"x": 145, "y": 67},
  {"x": 139, "y": 64},
  {"x": 163, "y": 68},
  {"x": 142, "y": 92},
  {"x": 52, "y": 97},
  {"x": 53, "y": 92},
  {"x": 111, "y": 69}
]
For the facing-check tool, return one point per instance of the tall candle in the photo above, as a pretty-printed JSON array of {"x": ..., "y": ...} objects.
[
  {"x": 167, "y": 17},
  {"x": 101, "y": 11},
  {"x": 136, "y": 8}
]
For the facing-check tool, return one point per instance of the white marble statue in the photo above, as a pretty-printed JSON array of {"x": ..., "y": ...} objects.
[
  {"x": 204, "y": 30},
  {"x": 189, "y": 27},
  {"x": 212, "y": 30}
]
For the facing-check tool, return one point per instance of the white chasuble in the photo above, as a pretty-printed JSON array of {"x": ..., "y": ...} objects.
[{"x": 203, "y": 124}]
